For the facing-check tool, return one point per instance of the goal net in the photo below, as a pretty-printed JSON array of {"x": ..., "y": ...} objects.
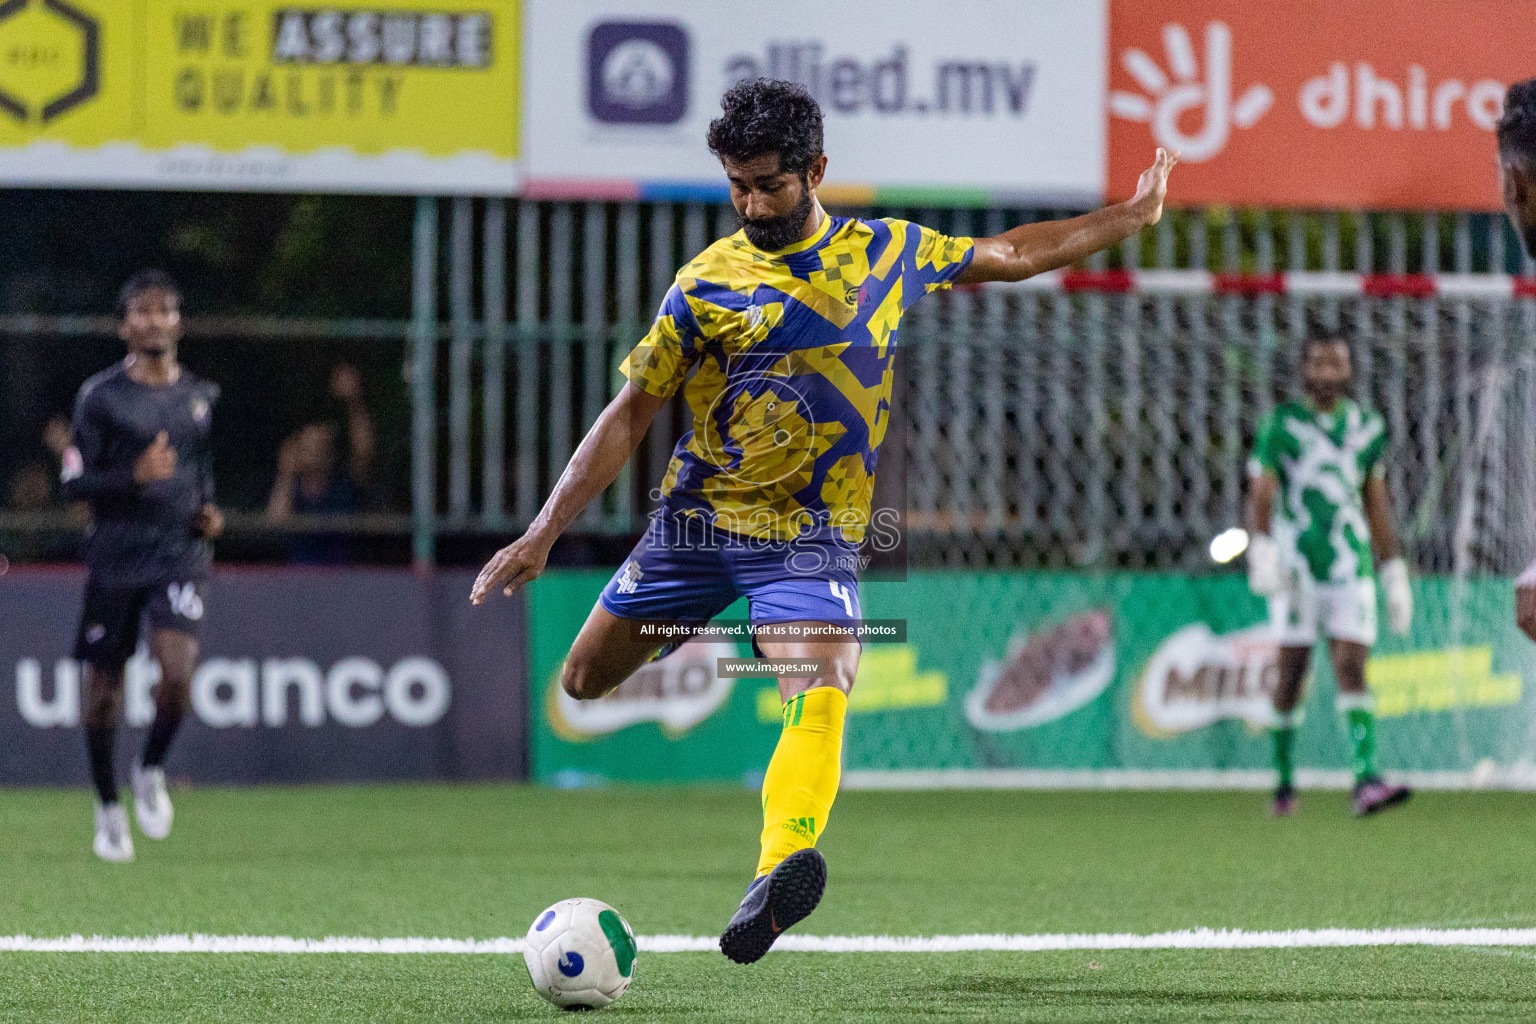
[
  {"x": 1049, "y": 427},
  {"x": 1096, "y": 428}
]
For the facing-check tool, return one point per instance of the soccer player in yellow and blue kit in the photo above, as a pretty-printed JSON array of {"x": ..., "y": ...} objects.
[{"x": 782, "y": 339}]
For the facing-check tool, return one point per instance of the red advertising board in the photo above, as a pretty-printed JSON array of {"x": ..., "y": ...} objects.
[{"x": 1316, "y": 103}]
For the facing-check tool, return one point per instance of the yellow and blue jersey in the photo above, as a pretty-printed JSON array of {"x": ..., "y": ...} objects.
[{"x": 791, "y": 356}]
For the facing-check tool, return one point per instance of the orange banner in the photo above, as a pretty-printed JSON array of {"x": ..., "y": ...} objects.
[{"x": 1387, "y": 104}]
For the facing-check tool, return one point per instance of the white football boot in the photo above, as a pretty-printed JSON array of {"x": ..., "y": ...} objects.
[
  {"x": 151, "y": 803},
  {"x": 113, "y": 841}
]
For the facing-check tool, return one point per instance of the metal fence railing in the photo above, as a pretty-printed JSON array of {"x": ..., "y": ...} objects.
[
  {"x": 1047, "y": 426},
  {"x": 1058, "y": 424}
]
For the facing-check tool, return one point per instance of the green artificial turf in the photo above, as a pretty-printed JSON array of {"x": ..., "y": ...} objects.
[
  {"x": 481, "y": 861},
  {"x": 1305, "y": 986}
]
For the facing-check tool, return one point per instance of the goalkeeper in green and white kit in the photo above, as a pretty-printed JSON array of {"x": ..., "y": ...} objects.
[{"x": 1310, "y": 555}]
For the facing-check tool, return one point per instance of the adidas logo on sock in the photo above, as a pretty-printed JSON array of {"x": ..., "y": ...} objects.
[{"x": 805, "y": 827}]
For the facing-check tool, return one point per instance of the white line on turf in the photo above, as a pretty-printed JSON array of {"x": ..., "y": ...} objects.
[{"x": 1196, "y": 938}]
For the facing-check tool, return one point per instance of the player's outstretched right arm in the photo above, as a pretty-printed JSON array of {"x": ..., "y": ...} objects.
[{"x": 596, "y": 464}]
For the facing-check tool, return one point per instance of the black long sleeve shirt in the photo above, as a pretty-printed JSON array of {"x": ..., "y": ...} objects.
[{"x": 143, "y": 534}]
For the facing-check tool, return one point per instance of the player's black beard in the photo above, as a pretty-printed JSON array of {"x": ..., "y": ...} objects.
[
  {"x": 155, "y": 348},
  {"x": 1325, "y": 393},
  {"x": 771, "y": 234},
  {"x": 1528, "y": 235}
]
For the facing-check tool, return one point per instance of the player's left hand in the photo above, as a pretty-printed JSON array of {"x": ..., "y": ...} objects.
[
  {"x": 1394, "y": 581},
  {"x": 518, "y": 563},
  {"x": 1265, "y": 577},
  {"x": 1525, "y": 601},
  {"x": 210, "y": 522},
  {"x": 1152, "y": 188}
]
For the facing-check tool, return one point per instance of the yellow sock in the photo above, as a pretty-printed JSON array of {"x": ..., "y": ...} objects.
[{"x": 801, "y": 780}]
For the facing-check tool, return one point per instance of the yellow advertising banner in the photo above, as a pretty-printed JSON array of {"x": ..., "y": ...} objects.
[{"x": 375, "y": 96}]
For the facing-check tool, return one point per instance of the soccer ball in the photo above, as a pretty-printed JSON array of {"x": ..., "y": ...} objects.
[{"x": 580, "y": 954}]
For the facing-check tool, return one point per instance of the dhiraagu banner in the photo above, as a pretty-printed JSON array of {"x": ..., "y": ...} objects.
[
  {"x": 372, "y": 95},
  {"x": 1037, "y": 678}
]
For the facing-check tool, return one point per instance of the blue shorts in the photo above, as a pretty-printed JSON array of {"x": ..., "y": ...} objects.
[{"x": 684, "y": 570}]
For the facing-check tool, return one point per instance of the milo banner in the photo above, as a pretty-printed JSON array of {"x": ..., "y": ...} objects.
[
  {"x": 367, "y": 96},
  {"x": 1125, "y": 679},
  {"x": 306, "y": 676}
]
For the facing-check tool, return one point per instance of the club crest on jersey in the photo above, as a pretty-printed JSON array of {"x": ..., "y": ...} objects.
[
  {"x": 199, "y": 409},
  {"x": 630, "y": 578},
  {"x": 755, "y": 315}
]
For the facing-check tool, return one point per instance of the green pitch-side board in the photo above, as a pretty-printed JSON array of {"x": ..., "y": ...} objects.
[{"x": 1053, "y": 671}]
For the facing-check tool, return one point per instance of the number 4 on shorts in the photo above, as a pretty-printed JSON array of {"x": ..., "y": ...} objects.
[{"x": 840, "y": 591}]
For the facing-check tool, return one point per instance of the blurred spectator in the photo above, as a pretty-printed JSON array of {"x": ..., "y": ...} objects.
[
  {"x": 56, "y": 439},
  {"x": 35, "y": 488},
  {"x": 310, "y": 481},
  {"x": 32, "y": 489}
]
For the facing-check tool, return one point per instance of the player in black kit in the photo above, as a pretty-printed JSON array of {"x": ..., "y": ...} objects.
[{"x": 141, "y": 457}]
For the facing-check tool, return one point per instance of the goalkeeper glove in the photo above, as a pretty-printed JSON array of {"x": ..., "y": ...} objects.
[
  {"x": 1263, "y": 565},
  {"x": 1394, "y": 583}
]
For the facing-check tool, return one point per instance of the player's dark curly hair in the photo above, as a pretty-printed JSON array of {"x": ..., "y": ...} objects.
[
  {"x": 146, "y": 281},
  {"x": 1517, "y": 128},
  {"x": 768, "y": 116}
]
